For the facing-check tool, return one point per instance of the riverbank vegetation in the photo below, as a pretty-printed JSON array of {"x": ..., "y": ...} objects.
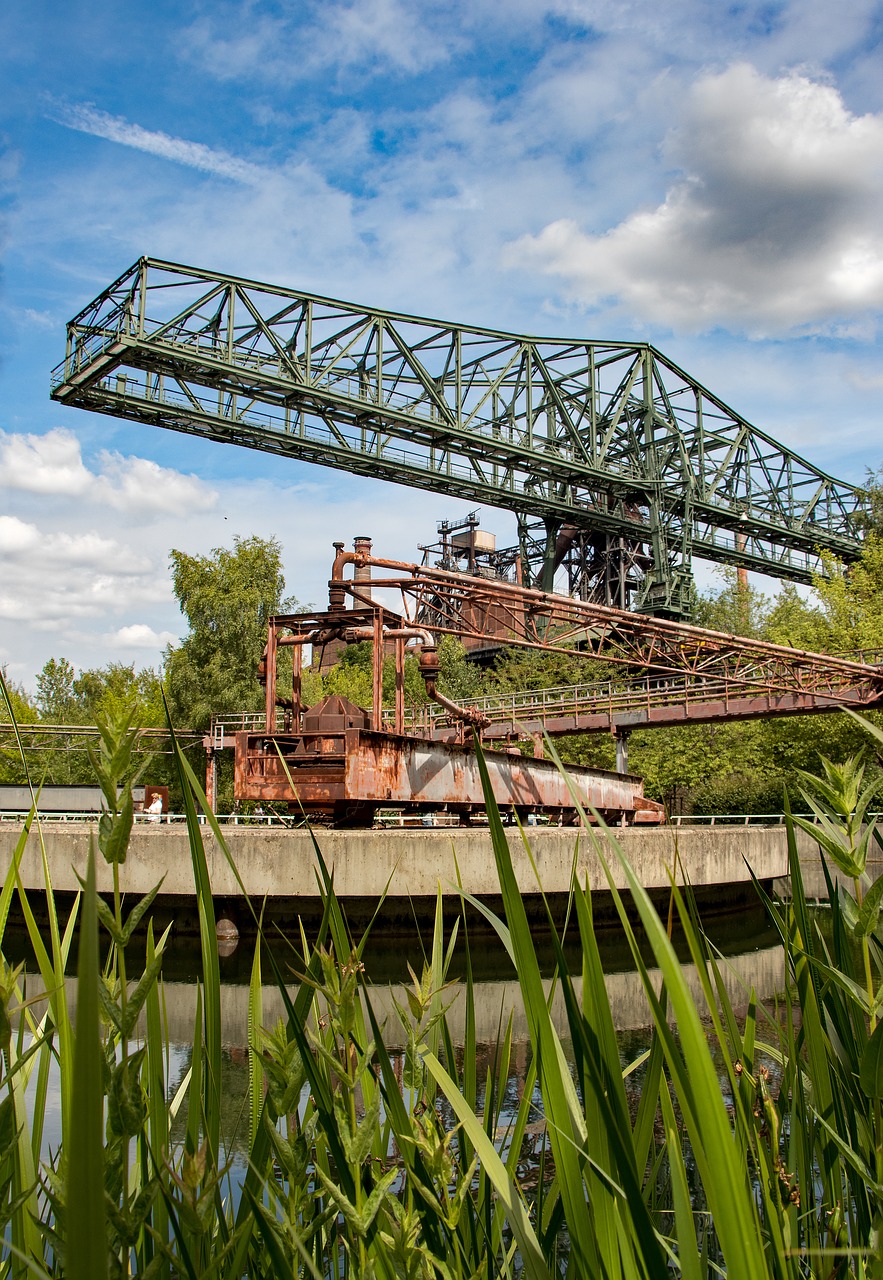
[{"x": 755, "y": 1148}]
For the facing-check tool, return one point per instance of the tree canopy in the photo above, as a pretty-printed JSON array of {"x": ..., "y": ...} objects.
[{"x": 227, "y": 598}]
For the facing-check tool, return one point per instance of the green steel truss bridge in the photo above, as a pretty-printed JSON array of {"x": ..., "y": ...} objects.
[{"x": 618, "y": 465}]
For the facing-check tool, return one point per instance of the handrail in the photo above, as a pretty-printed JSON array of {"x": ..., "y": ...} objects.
[{"x": 281, "y": 820}]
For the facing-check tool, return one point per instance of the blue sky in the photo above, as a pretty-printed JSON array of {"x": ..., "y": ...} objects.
[{"x": 702, "y": 175}]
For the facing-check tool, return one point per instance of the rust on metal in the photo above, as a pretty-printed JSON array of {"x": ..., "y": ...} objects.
[
  {"x": 343, "y": 761},
  {"x": 340, "y": 768}
]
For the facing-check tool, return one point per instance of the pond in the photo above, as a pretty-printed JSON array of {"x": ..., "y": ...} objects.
[{"x": 751, "y": 958}]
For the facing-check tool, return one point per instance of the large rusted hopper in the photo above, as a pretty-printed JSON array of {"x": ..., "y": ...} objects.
[{"x": 337, "y": 767}]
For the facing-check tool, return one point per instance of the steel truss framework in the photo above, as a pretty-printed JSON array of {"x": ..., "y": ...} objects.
[
  {"x": 609, "y": 440},
  {"x": 662, "y": 672}
]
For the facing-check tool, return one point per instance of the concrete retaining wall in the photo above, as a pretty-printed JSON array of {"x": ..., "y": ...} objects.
[{"x": 280, "y": 864}]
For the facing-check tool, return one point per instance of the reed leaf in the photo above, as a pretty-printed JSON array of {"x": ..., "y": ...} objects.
[
  {"x": 86, "y": 1245},
  {"x": 557, "y": 1088},
  {"x": 157, "y": 1141},
  {"x": 255, "y": 1070},
  {"x": 210, "y": 1101},
  {"x": 516, "y": 1213}
]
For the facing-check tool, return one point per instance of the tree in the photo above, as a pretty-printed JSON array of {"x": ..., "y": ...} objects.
[
  {"x": 797, "y": 622},
  {"x": 227, "y": 598},
  {"x": 871, "y": 514},
  {"x": 103, "y": 694},
  {"x": 737, "y": 607},
  {"x": 14, "y": 703},
  {"x": 96, "y": 694},
  {"x": 852, "y": 599},
  {"x": 56, "y": 698}
]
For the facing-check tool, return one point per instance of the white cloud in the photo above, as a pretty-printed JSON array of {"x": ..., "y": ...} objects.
[
  {"x": 129, "y": 483},
  {"x": 773, "y": 225},
  {"x": 88, "y": 119},
  {"x": 138, "y": 635},
  {"x": 373, "y": 35},
  {"x": 92, "y": 591},
  {"x": 16, "y": 536},
  {"x": 52, "y": 464},
  {"x": 43, "y": 550}
]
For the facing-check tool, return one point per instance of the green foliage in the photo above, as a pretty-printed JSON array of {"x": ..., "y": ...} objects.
[
  {"x": 55, "y": 692},
  {"x": 352, "y": 676},
  {"x": 756, "y": 1149},
  {"x": 457, "y": 677},
  {"x": 17, "y": 707},
  {"x": 516, "y": 670},
  {"x": 227, "y": 598},
  {"x": 853, "y": 600},
  {"x": 737, "y": 608},
  {"x": 100, "y": 693},
  {"x": 871, "y": 516}
]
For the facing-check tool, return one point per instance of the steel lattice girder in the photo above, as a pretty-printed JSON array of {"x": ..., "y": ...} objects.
[
  {"x": 456, "y": 604},
  {"x": 599, "y": 435}
]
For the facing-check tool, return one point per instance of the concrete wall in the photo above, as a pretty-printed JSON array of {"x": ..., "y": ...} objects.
[{"x": 280, "y": 863}]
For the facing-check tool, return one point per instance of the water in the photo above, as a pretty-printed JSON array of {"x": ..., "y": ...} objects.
[{"x": 753, "y": 958}]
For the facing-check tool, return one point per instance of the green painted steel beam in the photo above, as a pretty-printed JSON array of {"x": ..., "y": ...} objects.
[{"x": 605, "y": 437}]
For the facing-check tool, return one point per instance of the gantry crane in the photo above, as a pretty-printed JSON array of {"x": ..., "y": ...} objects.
[{"x": 616, "y": 463}]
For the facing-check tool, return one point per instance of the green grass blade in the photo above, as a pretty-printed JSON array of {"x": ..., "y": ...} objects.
[
  {"x": 531, "y": 1255},
  {"x": 721, "y": 1163},
  {"x": 562, "y": 1110},
  {"x": 9, "y": 880},
  {"x": 52, "y": 973},
  {"x": 194, "y": 1093},
  {"x": 158, "y": 1113},
  {"x": 86, "y": 1232},
  {"x": 210, "y": 1102},
  {"x": 255, "y": 1070},
  {"x": 685, "y": 1223}
]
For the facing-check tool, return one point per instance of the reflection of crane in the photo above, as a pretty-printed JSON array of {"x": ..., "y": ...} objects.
[{"x": 617, "y": 464}]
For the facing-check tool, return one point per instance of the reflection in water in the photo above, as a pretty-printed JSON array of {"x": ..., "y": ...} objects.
[{"x": 751, "y": 960}]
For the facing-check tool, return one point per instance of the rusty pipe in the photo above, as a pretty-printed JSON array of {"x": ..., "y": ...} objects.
[
  {"x": 537, "y": 601},
  {"x": 429, "y": 670},
  {"x": 475, "y": 719},
  {"x": 394, "y": 633}
]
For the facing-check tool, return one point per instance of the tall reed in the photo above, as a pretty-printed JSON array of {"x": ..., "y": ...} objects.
[{"x": 755, "y": 1148}]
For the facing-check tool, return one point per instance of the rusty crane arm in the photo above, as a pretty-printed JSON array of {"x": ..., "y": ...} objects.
[{"x": 455, "y": 604}]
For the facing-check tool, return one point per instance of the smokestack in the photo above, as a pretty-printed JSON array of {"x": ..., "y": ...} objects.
[{"x": 362, "y": 572}]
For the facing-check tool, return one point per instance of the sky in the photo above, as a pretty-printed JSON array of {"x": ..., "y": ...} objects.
[{"x": 701, "y": 175}]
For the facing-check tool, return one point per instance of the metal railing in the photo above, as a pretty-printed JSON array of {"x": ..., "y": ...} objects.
[
  {"x": 393, "y": 818},
  {"x": 541, "y": 705}
]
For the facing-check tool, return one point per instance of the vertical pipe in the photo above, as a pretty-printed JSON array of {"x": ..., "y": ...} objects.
[
  {"x": 377, "y": 672},
  {"x": 742, "y": 604},
  {"x": 362, "y": 572},
  {"x": 270, "y": 686},
  {"x": 400, "y": 685},
  {"x": 553, "y": 526},
  {"x": 622, "y": 751},
  {"x": 211, "y": 779},
  {"x": 297, "y": 663}
]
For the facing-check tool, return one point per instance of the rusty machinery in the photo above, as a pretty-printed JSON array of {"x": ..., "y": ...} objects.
[
  {"x": 340, "y": 762},
  {"x": 344, "y": 762}
]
